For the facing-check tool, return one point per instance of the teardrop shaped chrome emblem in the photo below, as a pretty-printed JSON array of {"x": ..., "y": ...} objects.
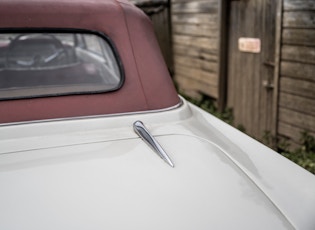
[{"x": 145, "y": 135}]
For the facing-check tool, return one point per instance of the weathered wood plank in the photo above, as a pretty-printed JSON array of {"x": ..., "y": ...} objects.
[
  {"x": 196, "y": 63},
  {"x": 252, "y": 103},
  {"x": 199, "y": 42},
  {"x": 298, "y": 70},
  {"x": 276, "y": 75},
  {"x": 292, "y": 132},
  {"x": 195, "y": 45},
  {"x": 199, "y": 18},
  {"x": 223, "y": 22},
  {"x": 197, "y": 74},
  {"x": 304, "y": 37},
  {"x": 299, "y": 5},
  {"x": 303, "y": 19},
  {"x": 195, "y": 52},
  {"x": 183, "y": 1},
  {"x": 298, "y": 53},
  {"x": 297, "y": 83},
  {"x": 190, "y": 84},
  {"x": 148, "y": 3},
  {"x": 297, "y": 103},
  {"x": 195, "y": 7},
  {"x": 297, "y": 119},
  {"x": 196, "y": 30},
  {"x": 297, "y": 87}
]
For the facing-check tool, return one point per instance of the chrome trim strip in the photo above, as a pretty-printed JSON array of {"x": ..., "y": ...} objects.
[
  {"x": 142, "y": 132},
  {"x": 95, "y": 116}
]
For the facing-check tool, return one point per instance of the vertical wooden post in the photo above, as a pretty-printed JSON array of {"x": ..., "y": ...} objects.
[
  {"x": 274, "y": 130},
  {"x": 223, "y": 49}
]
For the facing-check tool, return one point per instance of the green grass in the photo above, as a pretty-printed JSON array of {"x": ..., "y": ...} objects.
[{"x": 304, "y": 155}]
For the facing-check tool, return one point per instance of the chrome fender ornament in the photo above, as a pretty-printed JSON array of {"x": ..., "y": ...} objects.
[{"x": 145, "y": 135}]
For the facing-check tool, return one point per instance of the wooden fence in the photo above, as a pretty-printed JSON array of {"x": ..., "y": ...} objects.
[
  {"x": 195, "y": 44},
  {"x": 272, "y": 91},
  {"x": 296, "y": 105}
]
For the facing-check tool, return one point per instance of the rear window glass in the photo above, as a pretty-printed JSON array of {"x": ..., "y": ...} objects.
[{"x": 49, "y": 64}]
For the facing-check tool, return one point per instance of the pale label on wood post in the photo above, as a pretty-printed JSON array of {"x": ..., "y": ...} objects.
[{"x": 250, "y": 45}]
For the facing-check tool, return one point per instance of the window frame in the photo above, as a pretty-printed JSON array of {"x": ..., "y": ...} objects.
[{"x": 106, "y": 38}]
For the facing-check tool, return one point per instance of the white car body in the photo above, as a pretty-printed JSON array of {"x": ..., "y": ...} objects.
[
  {"x": 96, "y": 173},
  {"x": 94, "y": 136}
]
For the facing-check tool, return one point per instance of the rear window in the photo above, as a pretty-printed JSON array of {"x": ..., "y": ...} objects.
[{"x": 50, "y": 64}]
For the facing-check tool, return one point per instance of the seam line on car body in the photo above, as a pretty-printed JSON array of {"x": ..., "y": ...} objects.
[
  {"x": 237, "y": 165},
  {"x": 70, "y": 145},
  {"x": 133, "y": 53},
  {"x": 95, "y": 116}
]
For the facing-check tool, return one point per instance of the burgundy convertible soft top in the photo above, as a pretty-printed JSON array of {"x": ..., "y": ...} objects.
[{"x": 147, "y": 84}]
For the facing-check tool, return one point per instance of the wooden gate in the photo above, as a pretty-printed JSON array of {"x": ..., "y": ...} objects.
[{"x": 250, "y": 71}]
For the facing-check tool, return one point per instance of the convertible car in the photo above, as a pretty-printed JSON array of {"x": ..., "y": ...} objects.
[{"x": 93, "y": 134}]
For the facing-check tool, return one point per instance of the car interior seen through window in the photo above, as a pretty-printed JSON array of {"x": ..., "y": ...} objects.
[{"x": 48, "y": 64}]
